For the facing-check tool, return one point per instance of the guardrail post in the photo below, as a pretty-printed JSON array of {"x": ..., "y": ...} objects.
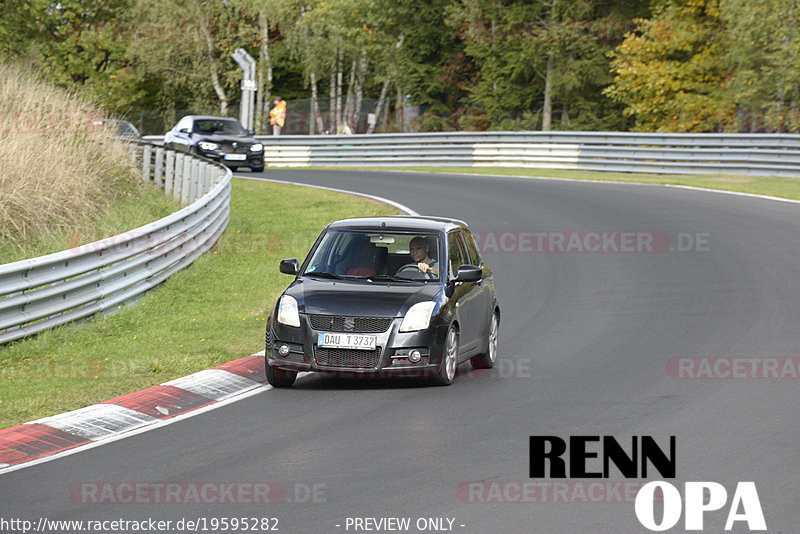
[
  {"x": 201, "y": 178},
  {"x": 134, "y": 154},
  {"x": 207, "y": 170},
  {"x": 159, "y": 174},
  {"x": 177, "y": 187},
  {"x": 148, "y": 150},
  {"x": 195, "y": 177},
  {"x": 186, "y": 179},
  {"x": 169, "y": 172}
]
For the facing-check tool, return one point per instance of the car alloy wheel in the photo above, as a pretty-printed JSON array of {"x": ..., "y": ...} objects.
[
  {"x": 447, "y": 369},
  {"x": 493, "y": 339},
  {"x": 487, "y": 359}
]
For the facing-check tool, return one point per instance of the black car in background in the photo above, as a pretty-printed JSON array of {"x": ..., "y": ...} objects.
[
  {"x": 386, "y": 296},
  {"x": 121, "y": 129},
  {"x": 221, "y": 139}
]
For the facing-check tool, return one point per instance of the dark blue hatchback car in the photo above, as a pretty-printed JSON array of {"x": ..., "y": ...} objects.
[{"x": 385, "y": 296}]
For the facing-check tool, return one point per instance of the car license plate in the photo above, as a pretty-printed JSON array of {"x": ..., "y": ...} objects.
[
  {"x": 235, "y": 157},
  {"x": 347, "y": 341}
]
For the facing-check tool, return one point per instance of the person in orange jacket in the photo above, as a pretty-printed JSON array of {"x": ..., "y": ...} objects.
[{"x": 277, "y": 115}]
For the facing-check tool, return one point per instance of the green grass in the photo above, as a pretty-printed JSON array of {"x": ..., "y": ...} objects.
[
  {"x": 205, "y": 315},
  {"x": 134, "y": 206},
  {"x": 760, "y": 185}
]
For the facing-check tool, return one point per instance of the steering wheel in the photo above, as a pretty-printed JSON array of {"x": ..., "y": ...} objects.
[{"x": 413, "y": 270}]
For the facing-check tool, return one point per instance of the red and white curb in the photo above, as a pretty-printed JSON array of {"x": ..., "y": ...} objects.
[{"x": 39, "y": 440}]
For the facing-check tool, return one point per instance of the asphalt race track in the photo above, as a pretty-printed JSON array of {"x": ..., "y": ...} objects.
[{"x": 591, "y": 343}]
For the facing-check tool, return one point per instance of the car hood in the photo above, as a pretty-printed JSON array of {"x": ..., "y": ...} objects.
[{"x": 359, "y": 298}]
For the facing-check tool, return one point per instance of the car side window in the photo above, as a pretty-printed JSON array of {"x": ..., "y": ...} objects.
[
  {"x": 473, "y": 255},
  {"x": 456, "y": 252}
]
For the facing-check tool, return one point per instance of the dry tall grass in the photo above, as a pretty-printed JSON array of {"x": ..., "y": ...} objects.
[{"x": 57, "y": 169}]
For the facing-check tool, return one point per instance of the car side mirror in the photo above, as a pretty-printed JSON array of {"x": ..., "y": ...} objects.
[
  {"x": 184, "y": 130},
  {"x": 251, "y": 132},
  {"x": 290, "y": 266},
  {"x": 468, "y": 273}
]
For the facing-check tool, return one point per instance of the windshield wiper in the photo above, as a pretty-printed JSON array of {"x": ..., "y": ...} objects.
[
  {"x": 323, "y": 274},
  {"x": 384, "y": 278}
]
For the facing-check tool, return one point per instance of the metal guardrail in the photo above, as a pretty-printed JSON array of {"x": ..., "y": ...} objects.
[
  {"x": 40, "y": 293},
  {"x": 756, "y": 154}
]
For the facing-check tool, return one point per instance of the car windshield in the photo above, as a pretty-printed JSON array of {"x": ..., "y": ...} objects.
[
  {"x": 218, "y": 127},
  {"x": 376, "y": 256}
]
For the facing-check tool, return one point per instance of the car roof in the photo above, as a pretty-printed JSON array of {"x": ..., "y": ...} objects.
[
  {"x": 209, "y": 117},
  {"x": 399, "y": 222}
]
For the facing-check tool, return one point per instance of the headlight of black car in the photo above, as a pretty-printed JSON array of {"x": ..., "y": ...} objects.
[
  {"x": 418, "y": 317},
  {"x": 288, "y": 312}
]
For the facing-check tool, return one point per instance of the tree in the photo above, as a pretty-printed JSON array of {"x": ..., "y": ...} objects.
[
  {"x": 274, "y": 20},
  {"x": 763, "y": 41},
  {"x": 185, "y": 47},
  {"x": 311, "y": 45},
  {"x": 76, "y": 44},
  {"x": 542, "y": 63},
  {"x": 429, "y": 61},
  {"x": 20, "y": 29},
  {"x": 669, "y": 71}
]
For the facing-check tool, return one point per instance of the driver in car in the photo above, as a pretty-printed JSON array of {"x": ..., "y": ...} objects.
[{"x": 419, "y": 249}]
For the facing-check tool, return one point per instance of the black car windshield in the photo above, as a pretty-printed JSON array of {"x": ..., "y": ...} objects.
[
  {"x": 376, "y": 256},
  {"x": 218, "y": 127}
]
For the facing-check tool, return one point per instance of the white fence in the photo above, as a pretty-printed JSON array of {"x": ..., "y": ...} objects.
[
  {"x": 39, "y": 293},
  {"x": 756, "y": 154}
]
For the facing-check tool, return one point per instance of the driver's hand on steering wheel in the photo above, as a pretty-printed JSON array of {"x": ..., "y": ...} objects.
[{"x": 427, "y": 269}]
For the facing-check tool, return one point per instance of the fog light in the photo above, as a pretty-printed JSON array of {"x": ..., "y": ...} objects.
[
  {"x": 414, "y": 356},
  {"x": 283, "y": 350}
]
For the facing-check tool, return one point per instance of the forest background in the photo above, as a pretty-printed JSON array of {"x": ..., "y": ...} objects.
[{"x": 433, "y": 65}]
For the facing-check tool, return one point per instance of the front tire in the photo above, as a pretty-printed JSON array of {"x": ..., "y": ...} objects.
[
  {"x": 280, "y": 378},
  {"x": 487, "y": 359},
  {"x": 446, "y": 372}
]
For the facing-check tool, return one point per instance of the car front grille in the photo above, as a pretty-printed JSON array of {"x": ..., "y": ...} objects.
[
  {"x": 362, "y": 325},
  {"x": 228, "y": 148},
  {"x": 350, "y": 358}
]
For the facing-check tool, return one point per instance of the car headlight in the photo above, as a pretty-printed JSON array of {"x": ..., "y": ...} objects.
[
  {"x": 287, "y": 311},
  {"x": 418, "y": 317},
  {"x": 205, "y": 145},
  {"x": 257, "y": 147}
]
